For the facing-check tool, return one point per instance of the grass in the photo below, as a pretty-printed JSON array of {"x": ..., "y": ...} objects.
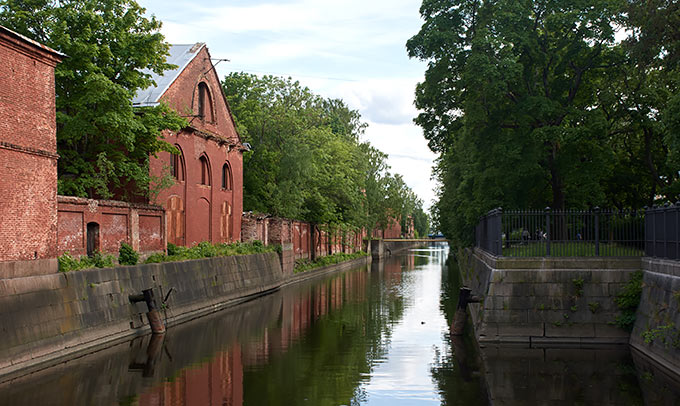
[
  {"x": 571, "y": 249},
  {"x": 304, "y": 264},
  {"x": 202, "y": 250},
  {"x": 69, "y": 263},
  {"x": 208, "y": 250}
]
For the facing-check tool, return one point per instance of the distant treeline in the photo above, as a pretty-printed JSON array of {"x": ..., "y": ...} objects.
[{"x": 307, "y": 160}]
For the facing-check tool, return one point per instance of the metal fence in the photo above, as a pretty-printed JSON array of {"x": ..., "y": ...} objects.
[
  {"x": 662, "y": 231},
  {"x": 564, "y": 233}
]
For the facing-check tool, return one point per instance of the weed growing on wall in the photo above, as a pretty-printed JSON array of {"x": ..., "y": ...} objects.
[{"x": 628, "y": 300}]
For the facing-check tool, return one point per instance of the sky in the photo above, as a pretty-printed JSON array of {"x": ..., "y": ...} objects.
[{"x": 349, "y": 49}]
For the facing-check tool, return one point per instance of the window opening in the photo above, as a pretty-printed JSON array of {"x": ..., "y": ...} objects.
[
  {"x": 226, "y": 177},
  {"x": 205, "y": 171}
]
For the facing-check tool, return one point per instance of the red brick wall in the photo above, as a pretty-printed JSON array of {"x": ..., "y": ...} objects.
[
  {"x": 141, "y": 226},
  {"x": 272, "y": 230},
  {"x": 28, "y": 160},
  {"x": 205, "y": 212}
]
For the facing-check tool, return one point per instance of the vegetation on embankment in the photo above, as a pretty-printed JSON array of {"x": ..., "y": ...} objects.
[
  {"x": 175, "y": 253},
  {"x": 304, "y": 264}
]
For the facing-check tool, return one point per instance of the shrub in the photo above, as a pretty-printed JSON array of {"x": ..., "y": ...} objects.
[
  {"x": 127, "y": 255},
  {"x": 98, "y": 260},
  {"x": 67, "y": 263},
  {"x": 173, "y": 249},
  {"x": 156, "y": 258},
  {"x": 207, "y": 250}
]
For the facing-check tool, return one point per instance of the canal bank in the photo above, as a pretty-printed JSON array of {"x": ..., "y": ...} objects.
[
  {"x": 51, "y": 318},
  {"x": 553, "y": 301},
  {"x": 361, "y": 336}
]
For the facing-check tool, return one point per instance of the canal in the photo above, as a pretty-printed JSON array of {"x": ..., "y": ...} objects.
[{"x": 377, "y": 335}]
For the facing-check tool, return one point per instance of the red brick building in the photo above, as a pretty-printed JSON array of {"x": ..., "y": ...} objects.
[
  {"x": 206, "y": 200},
  {"x": 28, "y": 154}
]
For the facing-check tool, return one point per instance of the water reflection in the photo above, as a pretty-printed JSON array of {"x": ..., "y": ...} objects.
[{"x": 373, "y": 336}]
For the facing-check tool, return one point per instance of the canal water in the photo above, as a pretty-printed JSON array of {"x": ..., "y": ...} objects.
[{"x": 377, "y": 335}]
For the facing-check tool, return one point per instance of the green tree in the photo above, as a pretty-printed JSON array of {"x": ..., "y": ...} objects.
[
  {"x": 535, "y": 103},
  {"x": 104, "y": 144},
  {"x": 307, "y": 160}
]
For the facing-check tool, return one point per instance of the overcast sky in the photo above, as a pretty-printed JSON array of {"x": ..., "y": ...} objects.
[{"x": 349, "y": 49}]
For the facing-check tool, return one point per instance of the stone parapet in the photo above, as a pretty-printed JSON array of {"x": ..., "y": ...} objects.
[{"x": 546, "y": 300}]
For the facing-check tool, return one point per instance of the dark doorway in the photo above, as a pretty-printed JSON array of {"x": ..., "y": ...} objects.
[{"x": 92, "y": 238}]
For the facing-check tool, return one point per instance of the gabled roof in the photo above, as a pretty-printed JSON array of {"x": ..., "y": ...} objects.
[
  {"x": 26, "y": 40},
  {"x": 180, "y": 55}
]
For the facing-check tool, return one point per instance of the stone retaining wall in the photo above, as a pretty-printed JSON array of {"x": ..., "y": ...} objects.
[
  {"x": 657, "y": 325},
  {"x": 46, "y": 318},
  {"x": 546, "y": 300}
]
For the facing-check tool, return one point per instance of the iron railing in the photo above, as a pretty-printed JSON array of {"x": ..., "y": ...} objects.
[
  {"x": 662, "y": 231},
  {"x": 564, "y": 233}
]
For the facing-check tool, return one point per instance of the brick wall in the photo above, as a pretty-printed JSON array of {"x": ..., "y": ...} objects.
[
  {"x": 198, "y": 209},
  {"x": 304, "y": 236},
  {"x": 28, "y": 151},
  {"x": 141, "y": 226}
]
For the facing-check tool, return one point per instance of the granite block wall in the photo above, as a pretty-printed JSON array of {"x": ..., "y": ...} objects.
[
  {"x": 47, "y": 317},
  {"x": 546, "y": 300},
  {"x": 657, "y": 325}
]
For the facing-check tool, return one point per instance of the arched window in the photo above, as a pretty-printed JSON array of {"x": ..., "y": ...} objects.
[
  {"x": 204, "y": 102},
  {"x": 226, "y": 177},
  {"x": 177, "y": 165},
  {"x": 205, "y": 170}
]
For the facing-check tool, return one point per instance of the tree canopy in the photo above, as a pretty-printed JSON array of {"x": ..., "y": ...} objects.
[
  {"x": 308, "y": 161},
  {"x": 104, "y": 143},
  {"x": 538, "y": 103}
]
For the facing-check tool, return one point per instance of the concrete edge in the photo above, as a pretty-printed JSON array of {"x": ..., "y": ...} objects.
[{"x": 658, "y": 362}]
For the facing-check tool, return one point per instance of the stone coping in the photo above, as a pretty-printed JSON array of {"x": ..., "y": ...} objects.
[
  {"x": 662, "y": 266},
  {"x": 545, "y": 263}
]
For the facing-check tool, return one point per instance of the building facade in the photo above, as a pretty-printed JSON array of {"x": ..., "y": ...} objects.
[
  {"x": 205, "y": 201},
  {"x": 28, "y": 154}
]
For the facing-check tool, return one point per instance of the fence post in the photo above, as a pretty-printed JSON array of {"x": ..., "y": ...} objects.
[
  {"x": 597, "y": 231},
  {"x": 665, "y": 230},
  {"x": 547, "y": 231},
  {"x": 677, "y": 230},
  {"x": 498, "y": 232}
]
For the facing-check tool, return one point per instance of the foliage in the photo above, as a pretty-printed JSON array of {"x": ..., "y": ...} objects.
[
  {"x": 304, "y": 264},
  {"x": 205, "y": 249},
  {"x": 667, "y": 333},
  {"x": 97, "y": 260},
  {"x": 104, "y": 143},
  {"x": 127, "y": 255},
  {"x": 307, "y": 160},
  {"x": 535, "y": 104},
  {"x": 628, "y": 300}
]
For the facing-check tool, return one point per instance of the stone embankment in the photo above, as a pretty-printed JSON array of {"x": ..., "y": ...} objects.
[
  {"x": 571, "y": 301},
  {"x": 47, "y": 319}
]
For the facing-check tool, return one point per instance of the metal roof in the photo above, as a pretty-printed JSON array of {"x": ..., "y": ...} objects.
[
  {"x": 30, "y": 41},
  {"x": 180, "y": 55}
]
